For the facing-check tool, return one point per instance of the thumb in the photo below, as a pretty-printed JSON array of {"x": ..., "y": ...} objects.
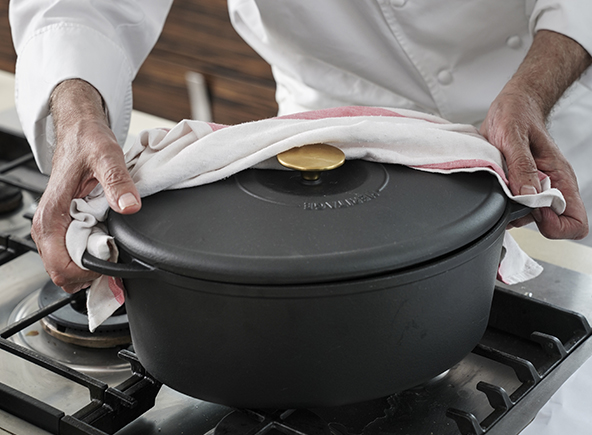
[
  {"x": 120, "y": 191},
  {"x": 523, "y": 174}
]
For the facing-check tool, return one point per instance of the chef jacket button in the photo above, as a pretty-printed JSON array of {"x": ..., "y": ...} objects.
[
  {"x": 398, "y": 3},
  {"x": 514, "y": 42},
  {"x": 445, "y": 77}
]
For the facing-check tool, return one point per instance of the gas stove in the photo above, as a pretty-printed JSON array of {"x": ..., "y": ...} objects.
[{"x": 56, "y": 378}]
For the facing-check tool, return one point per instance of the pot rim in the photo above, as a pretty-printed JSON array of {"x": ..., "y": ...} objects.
[
  {"x": 137, "y": 269},
  {"x": 257, "y": 227}
]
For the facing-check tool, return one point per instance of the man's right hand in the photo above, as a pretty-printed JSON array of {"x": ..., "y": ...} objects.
[{"x": 86, "y": 153}]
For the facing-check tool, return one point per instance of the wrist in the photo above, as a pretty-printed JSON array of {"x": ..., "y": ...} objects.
[
  {"x": 80, "y": 124},
  {"x": 553, "y": 63},
  {"x": 74, "y": 100}
]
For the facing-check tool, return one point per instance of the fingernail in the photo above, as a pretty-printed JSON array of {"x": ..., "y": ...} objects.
[
  {"x": 127, "y": 200},
  {"x": 528, "y": 190}
]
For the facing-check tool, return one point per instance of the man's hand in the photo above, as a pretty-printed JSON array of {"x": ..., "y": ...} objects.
[
  {"x": 515, "y": 124},
  {"x": 86, "y": 153}
]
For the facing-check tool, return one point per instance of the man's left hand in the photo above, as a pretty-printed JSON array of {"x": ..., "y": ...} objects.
[{"x": 515, "y": 124}]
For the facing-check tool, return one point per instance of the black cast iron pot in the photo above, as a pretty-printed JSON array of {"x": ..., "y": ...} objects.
[{"x": 268, "y": 290}]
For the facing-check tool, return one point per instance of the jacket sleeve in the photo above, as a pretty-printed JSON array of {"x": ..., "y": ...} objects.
[
  {"x": 571, "y": 18},
  {"x": 102, "y": 42}
]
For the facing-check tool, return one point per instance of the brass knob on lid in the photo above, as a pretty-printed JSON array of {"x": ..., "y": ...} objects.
[{"x": 313, "y": 159}]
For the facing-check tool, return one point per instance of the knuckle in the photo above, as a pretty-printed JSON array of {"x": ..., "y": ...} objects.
[
  {"x": 70, "y": 281},
  {"x": 59, "y": 278},
  {"x": 524, "y": 164},
  {"x": 37, "y": 233},
  {"x": 511, "y": 136},
  {"x": 115, "y": 175},
  {"x": 49, "y": 224}
]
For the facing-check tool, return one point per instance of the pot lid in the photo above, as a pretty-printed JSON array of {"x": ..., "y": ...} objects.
[{"x": 265, "y": 226}]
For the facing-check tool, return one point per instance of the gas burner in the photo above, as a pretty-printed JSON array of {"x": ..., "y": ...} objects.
[
  {"x": 101, "y": 363},
  {"x": 12, "y": 220},
  {"x": 70, "y": 323},
  {"x": 10, "y": 198}
]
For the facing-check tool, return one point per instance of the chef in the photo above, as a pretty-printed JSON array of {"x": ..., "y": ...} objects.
[{"x": 502, "y": 66}]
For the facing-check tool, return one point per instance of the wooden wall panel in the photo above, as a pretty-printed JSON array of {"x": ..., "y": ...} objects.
[
  {"x": 201, "y": 30},
  {"x": 7, "y": 54},
  {"x": 198, "y": 37}
]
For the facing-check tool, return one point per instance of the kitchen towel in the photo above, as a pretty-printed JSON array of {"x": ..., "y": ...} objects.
[{"x": 193, "y": 153}]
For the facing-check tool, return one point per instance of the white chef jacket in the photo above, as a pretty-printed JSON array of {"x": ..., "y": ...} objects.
[{"x": 449, "y": 58}]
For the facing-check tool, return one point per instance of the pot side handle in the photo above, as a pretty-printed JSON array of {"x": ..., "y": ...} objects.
[
  {"x": 518, "y": 211},
  {"x": 135, "y": 269}
]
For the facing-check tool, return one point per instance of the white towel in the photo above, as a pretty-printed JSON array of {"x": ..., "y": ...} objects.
[{"x": 194, "y": 153}]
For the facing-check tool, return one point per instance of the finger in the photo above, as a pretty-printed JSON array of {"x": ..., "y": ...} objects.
[
  {"x": 555, "y": 226},
  {"x": 70, "y": 277},
  {"x": 48, "y": 232},
  {"x": 573, "y": 223},
  {"x": 51, "y": 222},
  {"x": 120, "y": 191},
  {"x": 523, "y": 175}
]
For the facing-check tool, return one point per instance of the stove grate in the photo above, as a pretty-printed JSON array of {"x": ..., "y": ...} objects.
[
  {"x": 15, "y": 182},
  {"x": 14, "y": 246},
  {"x": 539, "y": 335},
  {"x": 109, "y": 408}
]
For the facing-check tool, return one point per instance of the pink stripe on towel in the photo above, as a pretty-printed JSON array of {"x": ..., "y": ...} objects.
[{"x": 116, "y": 287}]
